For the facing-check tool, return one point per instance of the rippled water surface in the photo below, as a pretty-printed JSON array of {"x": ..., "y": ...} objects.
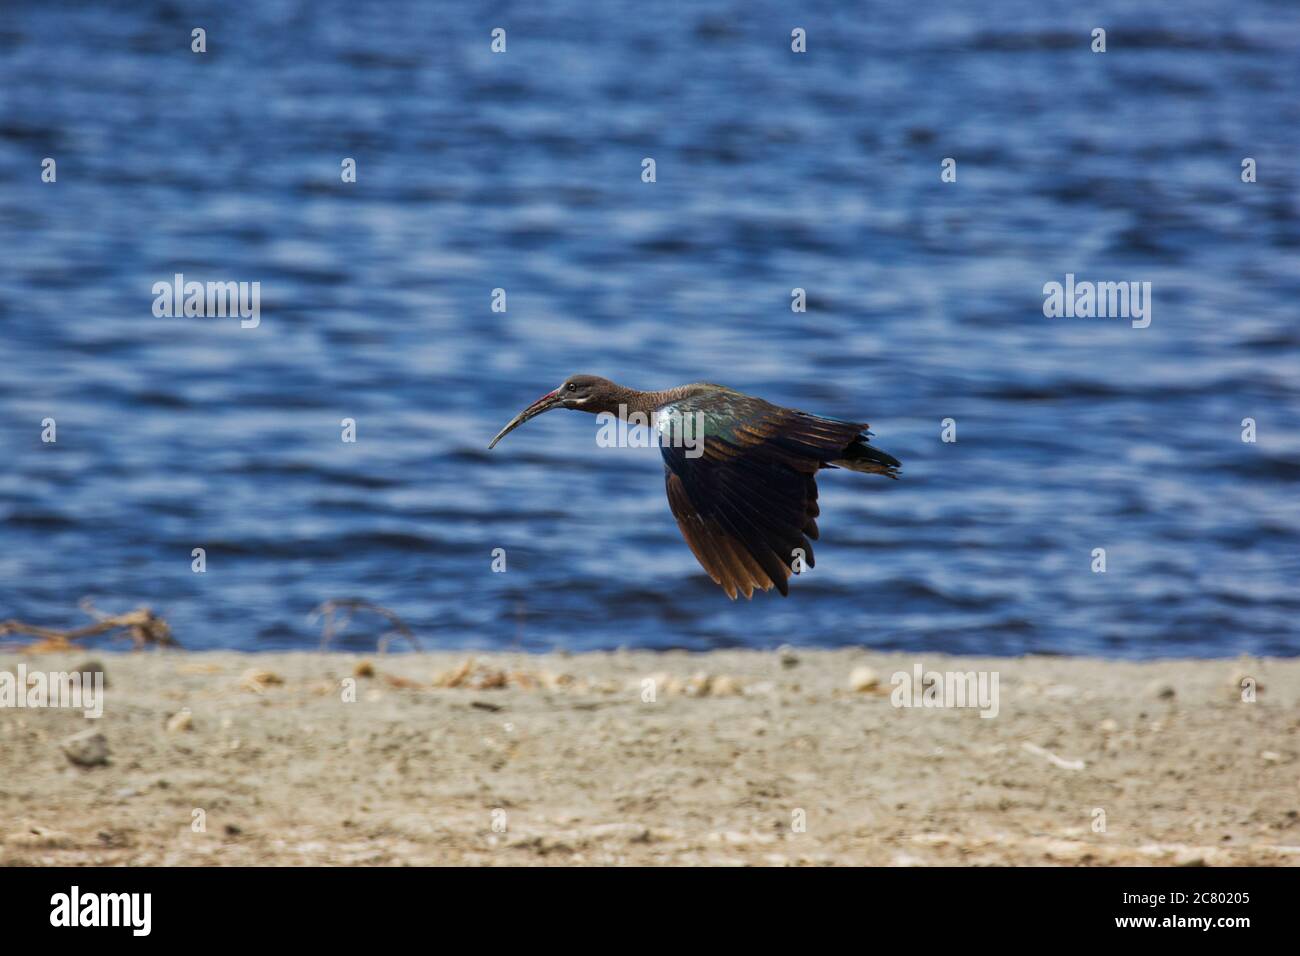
[{"x": 522, "y": 172}]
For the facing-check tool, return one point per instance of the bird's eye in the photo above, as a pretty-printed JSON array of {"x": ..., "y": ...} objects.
[{"x": 571, "y": 387}]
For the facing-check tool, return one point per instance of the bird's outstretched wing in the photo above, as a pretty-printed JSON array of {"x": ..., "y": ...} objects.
[{"x": 747, "y": 505}]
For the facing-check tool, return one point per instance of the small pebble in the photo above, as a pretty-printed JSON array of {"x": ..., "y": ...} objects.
[
  {"x": 1160, "y": 689},
  {"x": 699, "y": 684},
  {"x": 258, "y": 680},
  {"x": 364, "y": 669},
  {"x": 91, "y": 666},
  {"x": 787, "y": 656},
  {"x": 86, "y": 749},
  {"x": 725, "y": 686},
  {"x": 180, "y": 721},
  {"x": 1108, "y": 726},
  {"x": 863, "y": 679}
]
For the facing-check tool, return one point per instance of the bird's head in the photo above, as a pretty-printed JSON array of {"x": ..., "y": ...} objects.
[{"x": 585, "y": 393}]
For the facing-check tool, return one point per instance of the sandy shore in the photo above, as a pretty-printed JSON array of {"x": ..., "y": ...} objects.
[{"x": 740, "y": 758}]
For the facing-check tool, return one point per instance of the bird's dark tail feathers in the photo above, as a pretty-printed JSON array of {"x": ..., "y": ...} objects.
[{"x": 869, "y": 460}]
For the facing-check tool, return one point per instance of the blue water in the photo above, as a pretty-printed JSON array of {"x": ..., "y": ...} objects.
[{"x": 522, "y": 171}]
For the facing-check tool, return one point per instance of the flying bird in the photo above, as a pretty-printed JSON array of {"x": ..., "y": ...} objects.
[{"x": 741, "y": 473}]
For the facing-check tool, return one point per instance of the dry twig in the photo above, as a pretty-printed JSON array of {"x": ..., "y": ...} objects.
[
  {"x": 338, "y": 613},
  {"x": 142, "y": 625}
]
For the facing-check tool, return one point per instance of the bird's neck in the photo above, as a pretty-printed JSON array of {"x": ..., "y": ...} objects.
[{"x": 631, "y": 401}]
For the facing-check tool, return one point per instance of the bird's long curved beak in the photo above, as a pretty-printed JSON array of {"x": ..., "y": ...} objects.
[{"x": 544, "y": 404}]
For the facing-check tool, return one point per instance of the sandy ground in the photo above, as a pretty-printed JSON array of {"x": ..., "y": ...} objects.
[{"x": 740, "y": 758}]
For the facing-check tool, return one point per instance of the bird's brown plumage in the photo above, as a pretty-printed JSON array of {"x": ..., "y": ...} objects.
[
  {"x": 747, "y": 506},
  {"x": 743, "y": 487}
]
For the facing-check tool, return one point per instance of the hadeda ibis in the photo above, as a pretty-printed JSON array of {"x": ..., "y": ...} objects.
[{"x": 741, "y": 472}]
